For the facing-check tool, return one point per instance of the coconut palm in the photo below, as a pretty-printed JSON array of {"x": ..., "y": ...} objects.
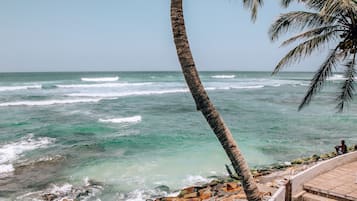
[
  {"x": 328, "y": 22},
  {"x": 202, "y": 100}
]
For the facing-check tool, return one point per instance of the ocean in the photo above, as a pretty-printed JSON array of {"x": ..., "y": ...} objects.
[{"x": 137, "y": 135}]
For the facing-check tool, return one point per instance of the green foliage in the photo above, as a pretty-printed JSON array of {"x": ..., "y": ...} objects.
[{"x": 329, "y": 21}]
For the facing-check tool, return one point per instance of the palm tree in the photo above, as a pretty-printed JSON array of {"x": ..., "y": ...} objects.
[
  {"x": 328, "y": 21},
  {"x": 203, "y": 102}
]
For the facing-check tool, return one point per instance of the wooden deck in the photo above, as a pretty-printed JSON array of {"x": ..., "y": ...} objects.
[{"x": 338, "y": 184}]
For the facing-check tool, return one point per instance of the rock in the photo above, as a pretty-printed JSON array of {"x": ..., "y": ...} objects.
[
  {"x": 297, "y": 161},
  {"x": 191, "y": 195},
  {"x": 49, "y": 197},
  {"x": 205, "y": 194},
  {"x": 163, "y": 188},
  {"x": 316, "y": 157},
  {"x": 188, "y": 190},
  {"x": 233, "y": 186}
]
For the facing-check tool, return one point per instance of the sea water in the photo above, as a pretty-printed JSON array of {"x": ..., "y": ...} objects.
[{"x": 135, "y": 132}]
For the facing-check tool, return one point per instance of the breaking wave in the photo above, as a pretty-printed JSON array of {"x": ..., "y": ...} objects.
[
  {"x": 49, "y": 102},
  {"x": 103, "y": 85},
  {"x": 336, "y": 77},
  {"x": 223, "y": 76},
  {"x": 11, "y": 152},
  {"x": 129, "y": 93},
  {"x": 14, "y": 88},
  {"x": 133, "y": 119}
]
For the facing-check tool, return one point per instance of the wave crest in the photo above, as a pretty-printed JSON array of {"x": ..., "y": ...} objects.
[
  {"x": 103, "y": 85},
  {"x": 49, "y": 102},
  {"x": 100, "y": 79},
  {"x": 12, "y": 151},
  {"x": 223, "y": 76},
  {"x": 133, "y": 119},
  {"x": 14, "y": 88}
]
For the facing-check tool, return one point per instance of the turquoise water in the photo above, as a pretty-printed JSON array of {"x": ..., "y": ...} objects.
[{"x": 135, "y": 131}]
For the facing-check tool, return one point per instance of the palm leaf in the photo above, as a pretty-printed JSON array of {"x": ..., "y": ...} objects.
[
  {"x": 312, "y": 33},
  {"x": 253, "y": 6},
  {"x": 320, "y": 77},
  {"x": 304, "y": 49},
  {"x": 335, "y": 7},
  {"x": 347, "y": 88},
  {"x": 297, "y": 20}
]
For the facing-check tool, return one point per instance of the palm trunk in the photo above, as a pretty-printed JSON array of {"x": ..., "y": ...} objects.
[{"x": 204, "y": 104}]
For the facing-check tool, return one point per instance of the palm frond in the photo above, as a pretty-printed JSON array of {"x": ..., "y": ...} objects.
[
  {"x": 297, "y": 20},
  {"x": 253, "y": 6},
  {"x": 338, "y": 7},
  {"x": 314, "y": 32},
  {"x": 347, "y": 88},
  {"x": 304, "y": 49},
  {"x": 320, "y": 77},
  {"x": 286, "y": 3}
]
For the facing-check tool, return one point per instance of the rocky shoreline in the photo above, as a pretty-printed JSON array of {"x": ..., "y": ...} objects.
[
  {"x": 229, "y": 188},
  {"x": 268, "y": 179}
]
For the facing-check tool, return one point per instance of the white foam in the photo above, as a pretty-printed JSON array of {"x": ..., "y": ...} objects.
[
  {"x": 61, "y": 190},
  {"x": 223, "y": 76},
  {"x": 14, "y": 88},
  {"x": 336, "y": 77},
  {"x": 6, "y": 169},
  {"x": 133, "y": 119},
  {"x": 131, "y": 93},
  {"x": 49, "y": 102},
  {"x": 100, "y": 79},
  {"x": 196, "y": 179},
  {"x": 10, "y": 152},
  {"x": 249, "y": 87},
  {"x": 102, "y": 85}
]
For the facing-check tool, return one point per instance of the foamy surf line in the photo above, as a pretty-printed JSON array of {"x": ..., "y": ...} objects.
[
  {"x": 12, "y": 151},
  {"x": 100, "y": 79},
  {"x": 124, "y": 94},
  {"x": 223, "y": 76},
  {"x": 49, "y": 102},
  {"x": 14, "y": 88},
  {"x": 337, "y": 77},
  {"x": 103, "y": 85},
  {"x": 133, "y": 119}
]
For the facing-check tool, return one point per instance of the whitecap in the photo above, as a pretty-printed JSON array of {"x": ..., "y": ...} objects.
[
  {"x": 129, "y": 93},
  {"x": 133, "y": 119},
  {"x": 10, "y": 152},
  {"x": 196, "y": 179},
  {"x": 6, "y": 169},
  {"x": 249, "y": 87},
  {"x": 102, "y": 85},
  {"x": 100, "y": 79},
  {"x": 61, "y": 190},
  {"x": 223, "y": 76},
  {"x": 337, "y": 77},
  {"x": 14, "y": 88},
  {"x": 49, "y": 102}
]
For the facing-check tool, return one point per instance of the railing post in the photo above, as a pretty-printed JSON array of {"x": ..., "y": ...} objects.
[{"x": 288, "y": 191}]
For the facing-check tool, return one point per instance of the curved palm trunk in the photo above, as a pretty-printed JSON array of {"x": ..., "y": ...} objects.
[{"x": 204, "y": 104}]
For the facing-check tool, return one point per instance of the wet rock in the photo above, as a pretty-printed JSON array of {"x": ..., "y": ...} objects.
[
  {"x": 205, "y": 194},
  {"x": 163, "y": 188},
  {"x": 49, "y": 197},
  {"x": 298, "y": 161},
  {"x": 190, "y": 195},
  {"x": 189, "y": 190},
  {"x": 315, "y": 157}
]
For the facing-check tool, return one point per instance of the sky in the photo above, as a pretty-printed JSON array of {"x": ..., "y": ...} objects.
[{"x": 135, "y": 35}]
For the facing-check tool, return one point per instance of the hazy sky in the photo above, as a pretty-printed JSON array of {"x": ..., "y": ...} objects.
[{"x": 118, "y": 35}]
